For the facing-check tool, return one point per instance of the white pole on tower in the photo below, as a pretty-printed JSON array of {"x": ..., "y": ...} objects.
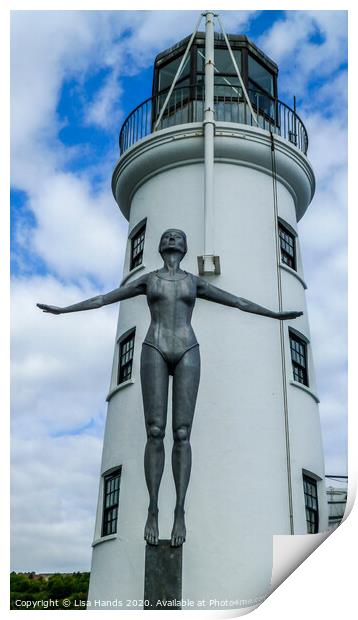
[{"x": 208, "y": 263}]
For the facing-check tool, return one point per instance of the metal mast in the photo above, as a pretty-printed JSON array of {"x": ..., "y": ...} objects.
[{"x": 209, "y": 263}]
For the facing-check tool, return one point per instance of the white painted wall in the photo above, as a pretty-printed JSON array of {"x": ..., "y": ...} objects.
[{"x": 238, "y": 492}]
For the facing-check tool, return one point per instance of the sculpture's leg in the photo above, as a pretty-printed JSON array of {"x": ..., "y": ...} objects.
[
  {"x": 185, "y": 388},
  {"x": 154, "y": 379}
]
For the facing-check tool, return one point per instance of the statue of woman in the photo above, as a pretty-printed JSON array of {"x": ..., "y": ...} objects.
[{"x": 170, "y": 348}]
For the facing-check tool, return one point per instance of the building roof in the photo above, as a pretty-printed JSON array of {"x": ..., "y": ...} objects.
[{"x": 240, "y": 39}]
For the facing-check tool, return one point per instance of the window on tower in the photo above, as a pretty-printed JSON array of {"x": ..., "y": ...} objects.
[
  {"x": 261, "y": 85},
  {"x": 226, "y": 83},
  {"x": 299, "y": 358},
  {"x": 260, "y": 77},
  {"x": 111, "y": 501},
  {"x": 125, "y": 361},
  {"x": 168, "y": 72},
  {"x": 311, "y": 504},
  {"x": 137, "y": 245},
  {"x": 288, "y": 246}
]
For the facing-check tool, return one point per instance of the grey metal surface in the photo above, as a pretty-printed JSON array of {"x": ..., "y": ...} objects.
[
  {"x": 170, "y": 348},
  {"x": 163, "y": 576}
]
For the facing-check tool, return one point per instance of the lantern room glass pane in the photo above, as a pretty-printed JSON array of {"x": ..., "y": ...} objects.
[
  {"x": 222, "y": 60},
  {"x": 260, "y": 75},
  {"x": 227, "y": 87},
  {"x": 168, "y": 72},
  {"x": 261, "y": 102},
  {"x": 179, "y": 94}
]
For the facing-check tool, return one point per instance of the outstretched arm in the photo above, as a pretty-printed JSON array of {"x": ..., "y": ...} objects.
[
  {"x": 138, "y": 287},
  {"x": 207, "y": 291}
]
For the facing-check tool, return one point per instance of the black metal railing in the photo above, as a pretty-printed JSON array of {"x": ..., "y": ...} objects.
[{"x": 186, "y": 105}]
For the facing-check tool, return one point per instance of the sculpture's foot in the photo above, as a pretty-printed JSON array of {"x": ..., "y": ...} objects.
[
  {"x": 151, "y": 530},
  {"x": 179, "y": 530}
]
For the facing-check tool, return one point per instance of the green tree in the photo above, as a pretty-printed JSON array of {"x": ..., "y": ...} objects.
[{"x": 59, "y": 586}]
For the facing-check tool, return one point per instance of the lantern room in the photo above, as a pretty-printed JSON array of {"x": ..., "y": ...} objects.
[{"x": 258, "y": 72}]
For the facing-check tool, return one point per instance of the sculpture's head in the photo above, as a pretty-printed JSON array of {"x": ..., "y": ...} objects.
[{"x": 173, "y": 240}]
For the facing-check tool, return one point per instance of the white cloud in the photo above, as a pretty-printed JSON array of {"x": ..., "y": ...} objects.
[
  {"x": 289, "y": 43},
  {"x": 65, "y": 44},
  {"x": 333, "y": 96},
  {"x": 323, "y": 234},
  {"x": 54, "y": 491},
  {"x": 57, "y": 44},
  {"x": 328, "y": 146},
  {"x": 157, "y": 30},
  {"x": 101, "y": 110},
  {"x": 60, "y": 368},
  {"x": 287, "y": 34},
  {"x": 78, "y": 232}
]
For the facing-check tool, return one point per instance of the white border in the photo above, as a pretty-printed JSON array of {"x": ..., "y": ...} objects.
[{"x": 325, "y": 584}]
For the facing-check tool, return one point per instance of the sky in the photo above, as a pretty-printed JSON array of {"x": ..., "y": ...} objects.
[{"x": 82, "y": 73}]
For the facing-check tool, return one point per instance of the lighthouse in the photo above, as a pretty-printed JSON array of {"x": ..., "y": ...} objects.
[{"x": 216, "y": 153}]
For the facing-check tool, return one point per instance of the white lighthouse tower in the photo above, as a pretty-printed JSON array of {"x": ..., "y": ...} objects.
[{"x": 214, "y": 152}]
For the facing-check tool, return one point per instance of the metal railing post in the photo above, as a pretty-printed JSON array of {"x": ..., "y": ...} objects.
[{"x": 139, "y": 123}]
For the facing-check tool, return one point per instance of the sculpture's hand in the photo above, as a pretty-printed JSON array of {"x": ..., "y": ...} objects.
[
  {"x": 283, "y": 316},
  {"x": 50, "y": 309},
  {"x": 213, "y": 293}
]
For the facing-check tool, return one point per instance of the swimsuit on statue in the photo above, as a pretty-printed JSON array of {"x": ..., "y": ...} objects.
[{"x": 171, "y": 303}]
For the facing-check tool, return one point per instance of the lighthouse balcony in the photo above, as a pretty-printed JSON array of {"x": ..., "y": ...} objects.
[{"x": 186, "y": 105}]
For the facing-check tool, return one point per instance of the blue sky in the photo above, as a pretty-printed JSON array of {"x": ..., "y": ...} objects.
[{"x": 82, "y": 74}]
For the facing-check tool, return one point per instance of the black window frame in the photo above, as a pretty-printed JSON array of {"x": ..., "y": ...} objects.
[
  {"x": 299, "y": 357},
  {"x": 111, "y": 490},
  {"x": 310, "y": 493},
  {"x": 126, "y": 355},
  {"x": 137, "y": 232},
  {"x": 286, "y": 258}
]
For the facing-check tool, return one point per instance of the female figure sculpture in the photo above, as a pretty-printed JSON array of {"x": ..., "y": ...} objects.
[{"x": 170, "y": 348}]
